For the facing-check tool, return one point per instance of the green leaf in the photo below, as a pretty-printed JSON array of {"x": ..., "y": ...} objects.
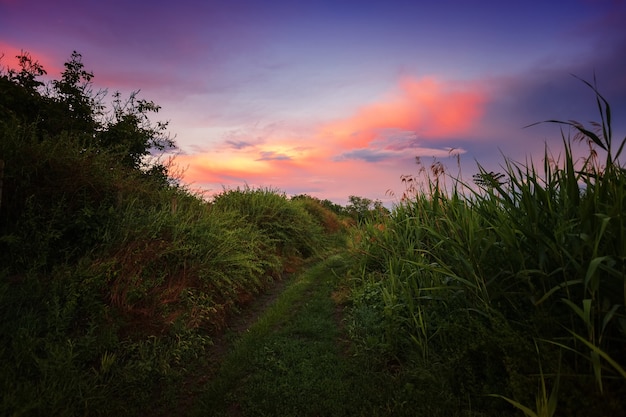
[
  {"x": 527, "y": 411},
  {"x": 584, "y": 313},
  {"x": 591, "y": 271},
  {"x": 556, "y": 288},
  {"x": 601, "y": 353},
  {"x": 609, "y": 316}
]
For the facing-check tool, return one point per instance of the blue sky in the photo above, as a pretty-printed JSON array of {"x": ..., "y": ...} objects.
[{"x": 338, "y": 98}]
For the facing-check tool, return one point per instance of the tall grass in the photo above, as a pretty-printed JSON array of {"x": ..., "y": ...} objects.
[
  {"x": 291, "y": 228},
  {"x": 472, "y": 278},
  {"x": 112, "y": 283}
]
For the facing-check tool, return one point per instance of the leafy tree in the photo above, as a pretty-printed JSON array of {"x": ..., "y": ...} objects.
[
  {"x": 65, "y": 105},
  {"x": 73, "y": 91},
  {"x": 70, "y": 105},
  {"x": 29, "y": 71},
  {"x": 129, "y": 132},
  {"x": 66, "y": 158},
  {"x": 335, "y": 208},
  {"x": 19, "y": 90},
  {"x": 361, "y": 208},
  {"x": 326, "y": 203}
]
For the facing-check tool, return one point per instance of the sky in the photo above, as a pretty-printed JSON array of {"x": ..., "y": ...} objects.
[{"x": 339, "y": 98}]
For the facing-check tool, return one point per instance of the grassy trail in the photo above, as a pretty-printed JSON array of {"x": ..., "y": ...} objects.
[{"x": 295, "y": 361}]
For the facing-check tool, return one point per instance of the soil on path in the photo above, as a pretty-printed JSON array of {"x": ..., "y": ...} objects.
[
  {"x": 249, "y": 314},
  {"x": 236, "y": 325}
]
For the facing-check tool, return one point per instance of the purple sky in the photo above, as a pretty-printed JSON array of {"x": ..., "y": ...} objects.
[{"x": 337, "y": 98}]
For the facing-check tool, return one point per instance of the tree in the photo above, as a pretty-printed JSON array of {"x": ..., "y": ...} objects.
[
  {"x": 30, "y": 70},
  {"x": 335, "y": 208},
  {"x": 70, "y": 105},
  {"x": 129, "y": 131},
  {"x": 20, "y": 95},
  {"x": 361, "y": 208},
  {"x": 67, "y": 105},
  {"x": 73, "y": 91}
]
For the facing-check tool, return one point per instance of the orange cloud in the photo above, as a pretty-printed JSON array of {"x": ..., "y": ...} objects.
[
  {"x": 426, "y": 106},
  {"x": 353, "y": 156},
  {"x": 256, "y": 163},
  {"x": 312, "y": 175}
]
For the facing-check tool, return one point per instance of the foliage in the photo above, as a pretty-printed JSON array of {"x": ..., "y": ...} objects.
[
  {"x": 129, "y": 132},
  {"x": 331, "y": 216},
  {"x": 290, "y": 363},
  {"x": 114, "y": 279},
  {"x": 472, "y": 279},
  {"x": 338, "y": 209},
  {"x": 362, "y": 209},
  {"x": 292, "y": 229},
  {"x": 69, "y": 105}
]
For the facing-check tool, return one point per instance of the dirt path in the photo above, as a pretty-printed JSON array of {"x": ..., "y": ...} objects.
[
  {"x": 241, "y": 322},
  {"x": 295, "y": 359},
  {"x": 222, "y": 343},
  {"x": 287, "y": 353}
]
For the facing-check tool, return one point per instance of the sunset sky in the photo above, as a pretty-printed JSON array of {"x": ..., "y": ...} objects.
[{"x": 337, "y": 98}]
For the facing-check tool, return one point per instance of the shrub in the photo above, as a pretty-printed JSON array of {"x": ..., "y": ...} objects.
[{"x": 293, "y": 231}]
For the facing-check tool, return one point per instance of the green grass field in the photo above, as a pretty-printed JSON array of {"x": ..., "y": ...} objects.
[{"x": 501, "y": 296}]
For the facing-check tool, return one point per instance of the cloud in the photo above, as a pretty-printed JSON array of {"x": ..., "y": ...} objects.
[
  {"x": 367, "y": 155},
  {"x": 238, "y": 144},
  {"x": 273, "y": 156},
  {"x": 416, "y": 120},
  {"x": 548, "y": 91},
  {"x": 378, "y": 155},
  {"x": 397, "y": 140},
  {"x": 371, "y": 147},
  {"x": 427, "y": 107},
  {"x": 317, "y": 177}
]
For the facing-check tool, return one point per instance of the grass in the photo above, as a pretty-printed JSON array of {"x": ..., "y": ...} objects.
[
  {"x": 478, "y": 300},
  {"x": 286, "y": 364},
  {"x": 111, "y": 283},
  {"x": 295, "y": 361},
  {"x": 472, "y": 278}
]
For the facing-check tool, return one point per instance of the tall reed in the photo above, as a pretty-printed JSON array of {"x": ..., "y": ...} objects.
[{"x": 532, "y": 253}]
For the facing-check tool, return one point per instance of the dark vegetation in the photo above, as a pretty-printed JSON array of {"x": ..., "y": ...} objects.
[
  {"x": 114, "y": 278},
  {"x": 506, "y": 293},
  {"x": 500, "y": 297}
]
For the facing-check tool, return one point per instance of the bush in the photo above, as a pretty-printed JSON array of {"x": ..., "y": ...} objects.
[{"x": 293, "y": 231}]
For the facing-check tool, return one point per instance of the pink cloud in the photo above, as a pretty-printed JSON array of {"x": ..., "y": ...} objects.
[
  {"x": 429, "y": 107},
  {"x": 363, "y": 154},
  {"x": 313, "y": 176}
]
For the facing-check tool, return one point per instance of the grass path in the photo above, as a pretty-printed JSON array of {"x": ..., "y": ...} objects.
[{"x": 295, "y": 361}]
